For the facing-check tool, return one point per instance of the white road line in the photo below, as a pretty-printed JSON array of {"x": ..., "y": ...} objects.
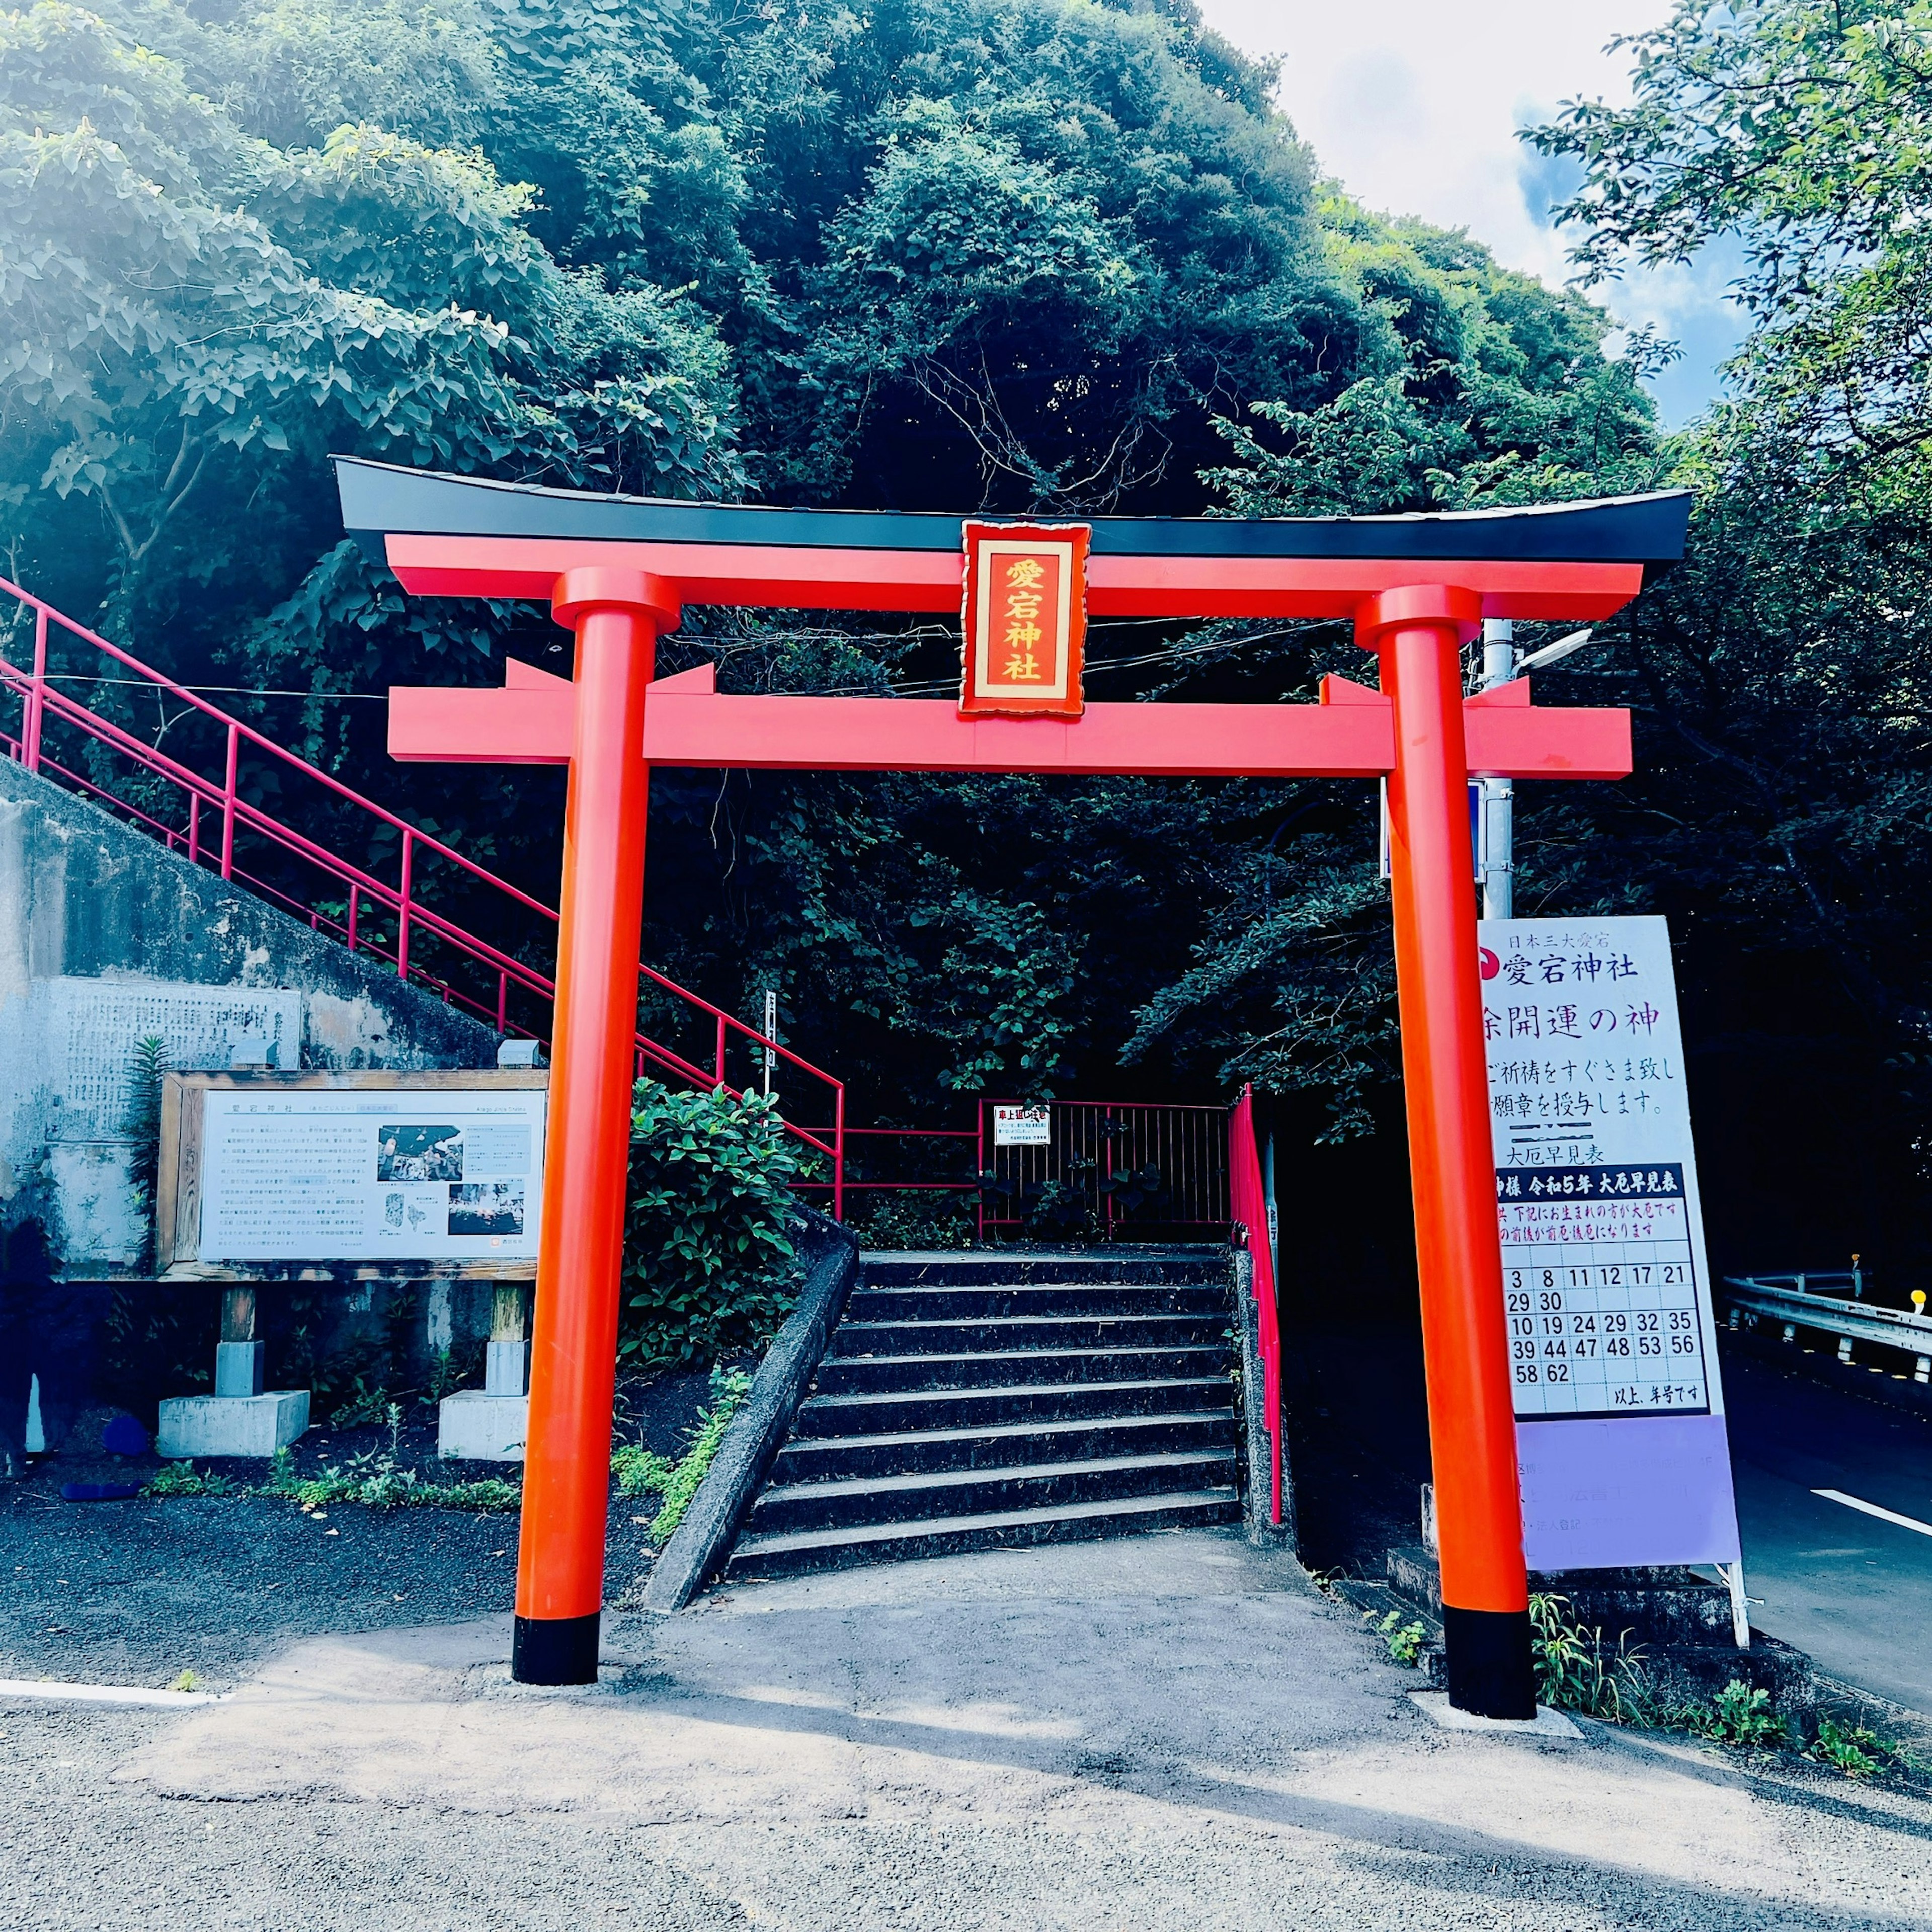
[
  {"x": 103, "y": 1693},
  {"x": 1873, "y": 1509}
]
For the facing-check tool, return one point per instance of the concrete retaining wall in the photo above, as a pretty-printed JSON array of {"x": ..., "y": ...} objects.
[{"x": 105, "y": 937}]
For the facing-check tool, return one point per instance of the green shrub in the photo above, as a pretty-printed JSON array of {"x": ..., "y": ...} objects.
[{"x": 708, "y": 1260}]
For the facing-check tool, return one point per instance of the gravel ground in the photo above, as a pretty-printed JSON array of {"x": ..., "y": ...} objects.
[
  {"x": 137, "y": 1591},
  {"x": 1168, "y": 1732}
]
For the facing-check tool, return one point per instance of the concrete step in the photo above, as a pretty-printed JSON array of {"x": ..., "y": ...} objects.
[
  {"x": 1124, "y": 1265},
  {"x": 929, "y": 1494},
  {"x": 841, "y": 1374},
  {"x": 797, "y": 1552},
  {"x": 983, "y": 1302},
  {"x": 842, "y": 1458},
  {"x": 1003, "y": 1334},
  {"x": 898, "y": 1411}
]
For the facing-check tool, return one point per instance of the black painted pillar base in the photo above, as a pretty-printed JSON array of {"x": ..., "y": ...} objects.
[
  {"x": 556, "y": 1650},
  {"x": 1491, "y": 1674}
]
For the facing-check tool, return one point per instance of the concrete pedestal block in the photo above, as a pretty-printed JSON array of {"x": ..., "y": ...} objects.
[
  {"x": 506, "y": 1369},
  {"x": 232, "y": 1425},
  {"x": 238, "y": 1368},
  {"x": 482, "y": 1428}
]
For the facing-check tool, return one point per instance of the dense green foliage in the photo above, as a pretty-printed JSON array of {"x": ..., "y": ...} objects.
[
  {"x": 708, "y": 1259},
  {"x": 1780, "y": 810},
  {"x": 1052, "y": 255}
]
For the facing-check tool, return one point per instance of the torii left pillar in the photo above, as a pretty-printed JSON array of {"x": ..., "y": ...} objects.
[{"x": 617, "y": 615}]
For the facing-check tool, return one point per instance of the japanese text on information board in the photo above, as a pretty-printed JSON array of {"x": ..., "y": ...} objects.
[
  {"x": 351, "y": 1175},
  {"x": 1605, "y": 1284}
]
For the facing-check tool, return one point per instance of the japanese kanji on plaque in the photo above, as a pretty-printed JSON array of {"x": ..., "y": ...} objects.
[
  {"x": 1605, "y": 1284},
  {"x": 1024, "y": 619}
]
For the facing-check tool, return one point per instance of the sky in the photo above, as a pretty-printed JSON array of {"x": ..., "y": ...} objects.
[{"x": 1413, "y": 105}]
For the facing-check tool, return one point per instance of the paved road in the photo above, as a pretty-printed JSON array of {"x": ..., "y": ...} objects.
[
  {"x": 1170, "y": 1733},
  {"x": 1854, "y": 1591}
]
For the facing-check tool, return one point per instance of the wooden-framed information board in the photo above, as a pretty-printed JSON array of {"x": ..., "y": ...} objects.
[{"x": 355, "y": 1176}]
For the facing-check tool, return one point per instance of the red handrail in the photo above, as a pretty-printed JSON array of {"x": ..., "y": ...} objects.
[
  {"x": 41, "y": 698},
  {"x": 1249, "y": 1200}
]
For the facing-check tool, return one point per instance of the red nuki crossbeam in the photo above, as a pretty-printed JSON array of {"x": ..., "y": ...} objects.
[{"x": 531, "y": 720}]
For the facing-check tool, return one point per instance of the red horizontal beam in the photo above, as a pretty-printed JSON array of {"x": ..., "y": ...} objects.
[
  {"x": 776, "y": 577},
  {"x": 530, "y": 724}
]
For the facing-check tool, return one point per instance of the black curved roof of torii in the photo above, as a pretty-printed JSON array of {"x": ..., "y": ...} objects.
[{"x": 381, "y": 498}]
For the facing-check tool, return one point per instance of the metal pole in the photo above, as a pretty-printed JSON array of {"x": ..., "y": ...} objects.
[
  {"x": 771, "y": 1032},
  {"x": 1417, "y": 631},
  {"x": 228, "y": 803},
  {"x": 617, "y": 615},
  {"x": 838, "y": 1154},
  {"x": 1267, "y": 1196},
  {"x": 30, "y": 732},
  {"x": 402, "y": 906},
  {"x": 1499, "y": 794}
]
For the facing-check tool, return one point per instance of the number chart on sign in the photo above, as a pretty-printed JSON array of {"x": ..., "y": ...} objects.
[{"x": 1605, "y": 1284}]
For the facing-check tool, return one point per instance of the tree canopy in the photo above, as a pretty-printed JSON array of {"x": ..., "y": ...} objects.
[{"x": 1052, "y": 255}]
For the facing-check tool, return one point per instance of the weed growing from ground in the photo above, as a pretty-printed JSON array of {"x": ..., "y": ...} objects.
[
  {"x": 373, "y": 1479},
  {"x": 1739, "y": 1714},
  {"x": 184, "y": 1479},
  {"x": 640, "y": 1472},
  {"x": 1577, "y": 1670},
  {"x": 1404, "y": 1641},
  {"x": 364, "y": 1406}
]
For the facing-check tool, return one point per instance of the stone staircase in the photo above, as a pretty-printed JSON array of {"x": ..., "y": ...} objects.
[{"x": 982, "y": 1401}]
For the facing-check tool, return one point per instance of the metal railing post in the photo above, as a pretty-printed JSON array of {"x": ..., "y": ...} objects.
[
  {"x": 354, "y": 897},
  {"x": 719, "y": 1075},
  {"x": 30, "y": 729},
  {"x": 838, "y": 1152},
  {"x": 502, "y": 1002},
  {"x": 980, "y": 1167},
  {"x": 402, "y": 907},
  {"x": 228, "y": 803},
  {"x": 194, "y": 828}
]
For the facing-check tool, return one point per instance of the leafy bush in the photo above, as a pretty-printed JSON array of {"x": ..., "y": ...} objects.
[{"x": 710, "y": 1266}]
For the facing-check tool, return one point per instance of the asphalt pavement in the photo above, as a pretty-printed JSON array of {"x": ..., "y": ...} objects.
[{"x": 1852, "y": 1589}]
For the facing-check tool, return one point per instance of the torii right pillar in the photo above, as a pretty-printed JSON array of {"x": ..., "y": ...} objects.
[{"x": 1418, "y": 634}]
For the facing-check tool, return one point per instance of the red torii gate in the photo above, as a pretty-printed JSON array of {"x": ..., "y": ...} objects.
[{"x": 617, "y": 571}]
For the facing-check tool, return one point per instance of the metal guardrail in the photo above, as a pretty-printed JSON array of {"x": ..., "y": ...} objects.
[{"x": 1809, "y": 1303}]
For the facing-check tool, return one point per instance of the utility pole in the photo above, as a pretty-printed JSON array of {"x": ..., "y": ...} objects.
[{"x": 1499, "y": 794}]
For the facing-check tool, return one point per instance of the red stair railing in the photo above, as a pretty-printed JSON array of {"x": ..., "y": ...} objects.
[
  {"x": 1248, "y": 1199},
  {"x": 195, "y": 794}
]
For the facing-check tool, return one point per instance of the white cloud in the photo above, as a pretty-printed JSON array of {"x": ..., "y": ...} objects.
[{"x": 1414, "y": 105}]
